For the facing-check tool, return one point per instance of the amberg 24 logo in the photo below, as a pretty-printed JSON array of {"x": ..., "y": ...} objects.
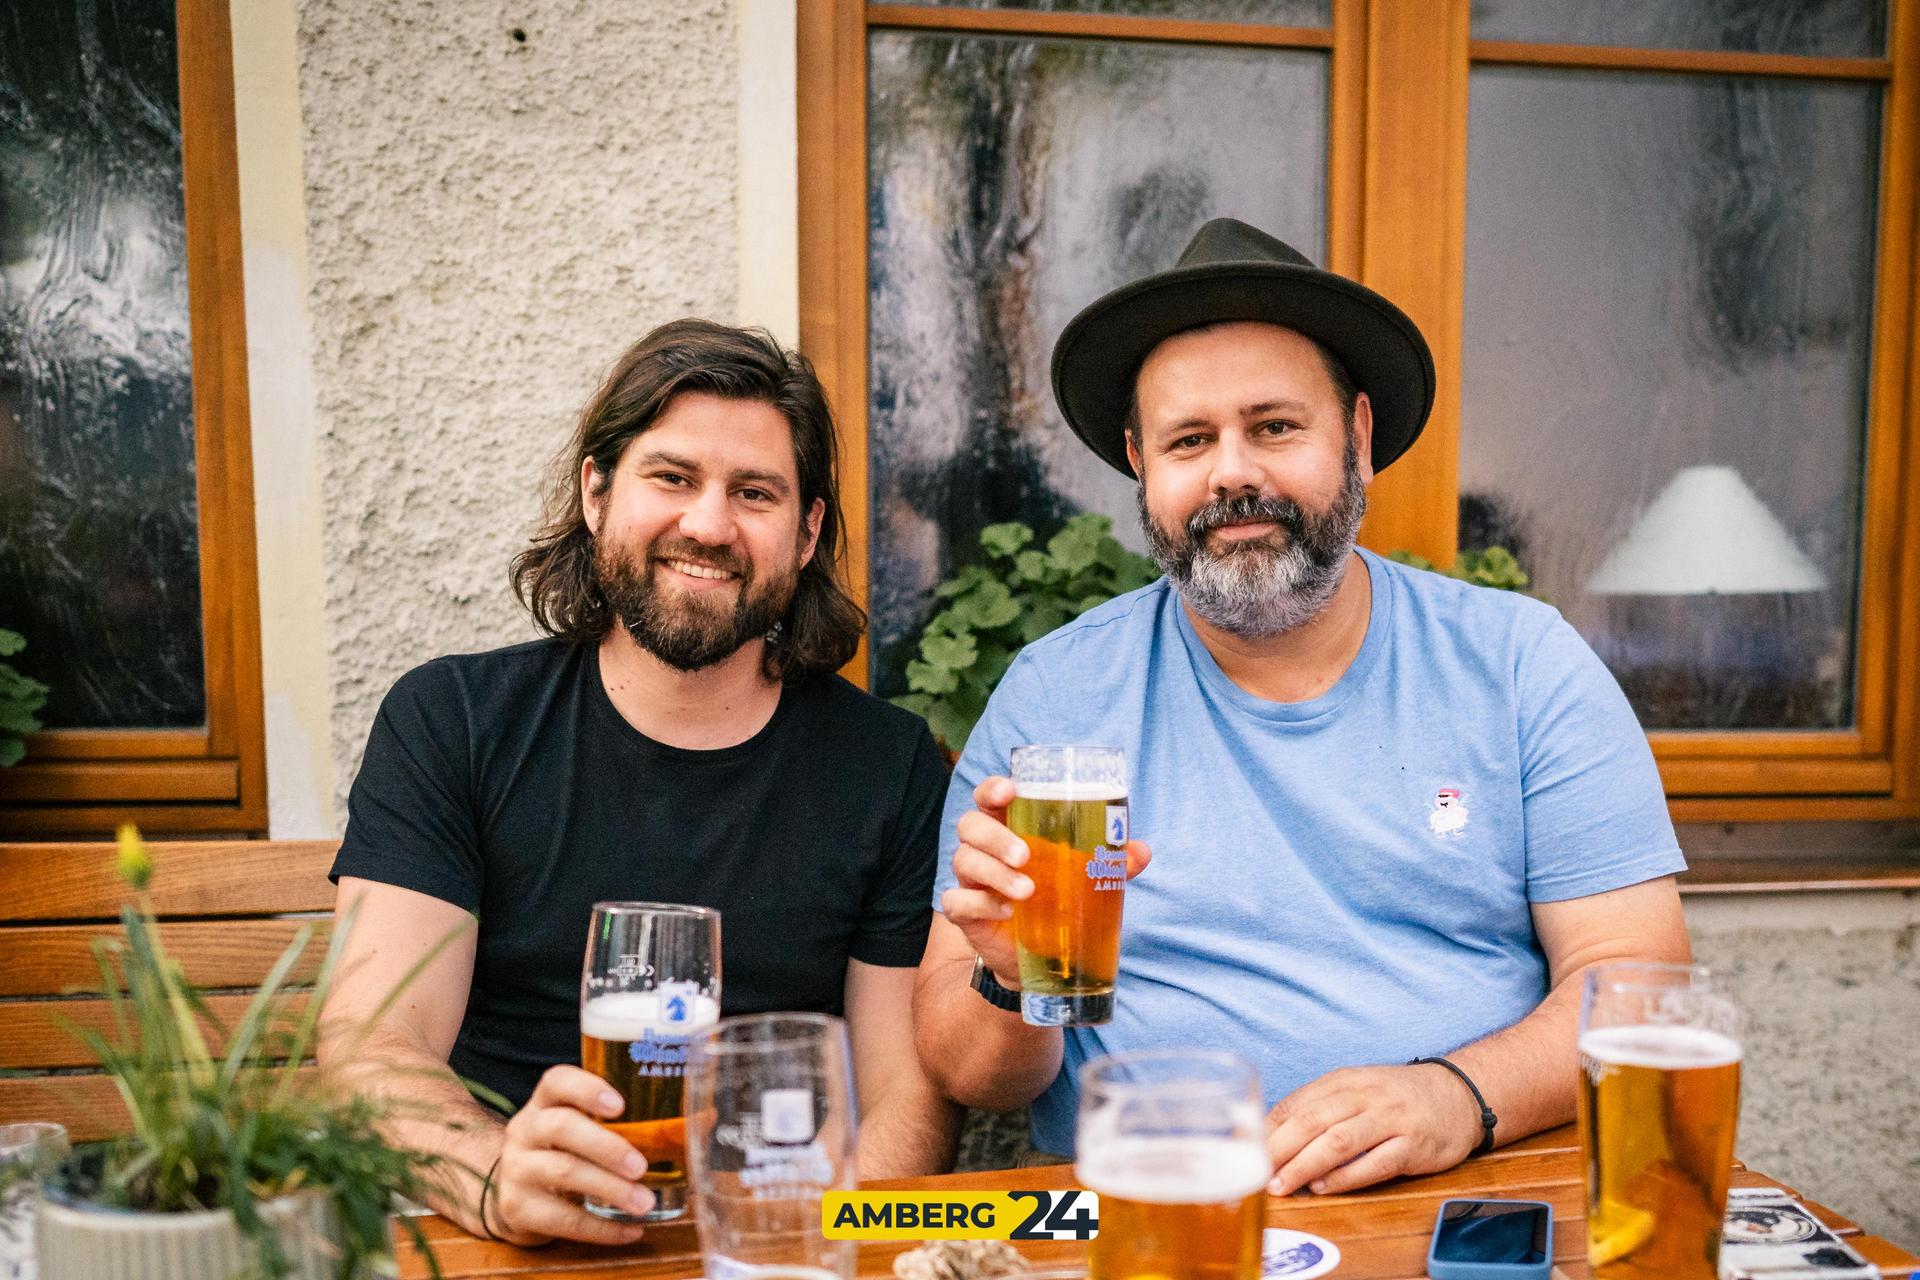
[{"x": 960, "y": 1215}]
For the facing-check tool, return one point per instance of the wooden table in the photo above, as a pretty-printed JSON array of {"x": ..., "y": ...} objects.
[{"x": 1382, "y": 1232}]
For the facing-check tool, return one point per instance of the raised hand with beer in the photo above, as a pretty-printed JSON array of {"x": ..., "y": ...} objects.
[
  {"x": 1040, "y": 871},
  {"x": 650, "y": 982}
]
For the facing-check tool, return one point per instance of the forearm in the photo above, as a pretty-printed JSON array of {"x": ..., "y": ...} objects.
[
  {"x": 975, "y": 1054},
  {"x": 909, "y": 1132},
  {"x": 427, "y": 1110}
]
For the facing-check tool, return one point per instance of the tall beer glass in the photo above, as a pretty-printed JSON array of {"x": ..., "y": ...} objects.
[
  {"x": 1070, "y": 807},
  {"x": 1172, "y": 1141},
  {"x": 1659, "y": 1100},
  {"x": 771, "y": 1125},
  {"x": 651, "y": 980}
]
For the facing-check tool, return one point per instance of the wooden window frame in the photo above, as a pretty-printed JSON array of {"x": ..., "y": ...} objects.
[
  {"x": 211, "y": 779},
  {"x": 1396, "y": 220}
]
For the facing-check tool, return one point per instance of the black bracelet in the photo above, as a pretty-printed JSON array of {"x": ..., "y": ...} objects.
[
  {"x": 1487, "y": 1119},
  {"x": 486, "y": 1187}
]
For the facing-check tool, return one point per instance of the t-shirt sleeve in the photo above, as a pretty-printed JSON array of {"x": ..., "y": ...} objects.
[
  {"x": 1014, "y": 716},
  {"x": 410, "y": 815},
  {"x": 1596, "y": 814},
  {"x": 894, "y": 920}
]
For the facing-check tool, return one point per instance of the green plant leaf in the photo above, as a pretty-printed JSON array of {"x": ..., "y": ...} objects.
[
  {"x": 965, "y": 580},
  {"x": 989, "y": 605},
  {"x": 955, "y": 652},
  {"x": 950, "y": 725},
  {"x": 1075, "y": 547},
  {"x": 16, "y": 717},
  {"x": 1002, "y": 540},
  {"x": 925, "y": 678},
  {"x": 12, "y": 751},
  {"x": 11, "y": 642},
  {"x": 1032, "y": 566},
  {"x": 1042, "y": 617}
]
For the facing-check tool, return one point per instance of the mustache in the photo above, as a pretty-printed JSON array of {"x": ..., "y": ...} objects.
[
  {"x": 1246, "y": 508},
  {"x": 693, "y": 553}
]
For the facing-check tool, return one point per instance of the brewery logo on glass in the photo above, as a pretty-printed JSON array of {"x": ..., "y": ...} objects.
[
  {"x": 1117, "y": 824},
  {"x": 1107, "y": 868},
  {"x": 676, "y": 1001},
  {"x": 786, "y": 1115},
  {"x": 623, "y": 973}
]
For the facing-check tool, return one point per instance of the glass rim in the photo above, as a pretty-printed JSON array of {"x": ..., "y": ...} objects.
[
  {"x": 654, "y": 908},
  {"x": 1092, "y": 1071},
  {"x": 27, "y": 1135},
  {"x": 1616, "y": 976},
  {"x": 808, "y": 1028}
]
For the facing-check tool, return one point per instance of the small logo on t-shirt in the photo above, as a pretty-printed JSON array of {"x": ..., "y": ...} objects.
[{"x": 1449, "y": 814}]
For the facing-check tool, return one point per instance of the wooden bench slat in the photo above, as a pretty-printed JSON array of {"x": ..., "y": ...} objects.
[
  {"x": 31, "y": 1039},
  {"x": 190, "y": 878},
  {"x": 43, "y": 960},
  {"x": 89, "y": 1105}
]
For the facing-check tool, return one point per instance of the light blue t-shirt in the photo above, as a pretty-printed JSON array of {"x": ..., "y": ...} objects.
[{"x": 1343, "y": 881}]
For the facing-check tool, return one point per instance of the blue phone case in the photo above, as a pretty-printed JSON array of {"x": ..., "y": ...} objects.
[{"x": 1441, "y": 1270}]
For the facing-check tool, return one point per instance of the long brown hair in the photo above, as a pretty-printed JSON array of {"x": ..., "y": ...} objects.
[{"x": 554, "y": 577}]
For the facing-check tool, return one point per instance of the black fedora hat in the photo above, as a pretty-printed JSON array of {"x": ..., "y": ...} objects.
[{"x": 1231, "y": 271}]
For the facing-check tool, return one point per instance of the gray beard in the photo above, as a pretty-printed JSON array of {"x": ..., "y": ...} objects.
[{"x": 1260, "y": 589}]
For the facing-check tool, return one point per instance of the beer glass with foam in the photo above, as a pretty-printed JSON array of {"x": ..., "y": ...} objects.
[
  {"x": 1172, "y": 1142},
  {"x": 1659, "y": 1100},
  {"x": 771, "y": 1127},
  {"x": 1070, "y": 807},
  {"x": 650, "y": 982}
]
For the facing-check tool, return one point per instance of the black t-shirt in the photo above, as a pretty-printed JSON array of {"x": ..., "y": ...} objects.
[{"x": 507, "y": 784}]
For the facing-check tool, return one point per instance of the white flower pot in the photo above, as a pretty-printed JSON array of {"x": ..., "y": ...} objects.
[{"x": 83, "y": 1242}]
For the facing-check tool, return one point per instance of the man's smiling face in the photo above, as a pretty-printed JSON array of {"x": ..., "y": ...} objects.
[
  {"x": 1252, "y": 478},
  {"x": 700, "y": 537}
]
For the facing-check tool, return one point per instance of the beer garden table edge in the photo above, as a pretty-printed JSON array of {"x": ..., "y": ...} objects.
[{"x": 1382, "y": 1231}]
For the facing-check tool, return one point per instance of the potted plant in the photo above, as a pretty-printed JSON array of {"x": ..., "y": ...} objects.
[
  {"x": 238, "y": 1162},
  {"x": 1017, "y": 595},
  {"x": 20, "y": 697},
  {"x": 1493, "y": 567}
]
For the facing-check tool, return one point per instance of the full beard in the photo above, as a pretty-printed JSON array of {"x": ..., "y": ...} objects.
[
  {"x": 1261, "y": 587},
  {"x": 686, "y": 630}
]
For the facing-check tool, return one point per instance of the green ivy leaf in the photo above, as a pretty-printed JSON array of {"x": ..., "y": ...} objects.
[
  {"x": 955, "y": 653},
  {"x": 1041, "y": 618},
  {"x": 990, "y": 605},
  {"x": 1093, "y": 601},
  {"x": 918, "y": 703},
  {"x": 1033, "y": 566},
  {"x": 16, "y": 717},
  {"x": 925, "y": 678},
  {"x": 950, "y": 725},
  {"x": 1074, "y": 547},
  {"x": 11, "y": 642},
  {"x": 12, "y": 751},
  {"x": 966, "y": 580},
  {"x": 1002, "y": 540}
]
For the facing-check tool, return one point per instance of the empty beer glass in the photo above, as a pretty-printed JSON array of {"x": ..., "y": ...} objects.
[
  {"x": 1659, "y": 1102},
  {"x": 651, "y": 980},
  {"x": 1070, "y": 807},
  {"x": 1172, "y": 1141},
  {"x": 771, "y": 1125}
]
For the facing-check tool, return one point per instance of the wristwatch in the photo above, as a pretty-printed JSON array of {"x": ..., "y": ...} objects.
[{"x": 990, "y": 989}]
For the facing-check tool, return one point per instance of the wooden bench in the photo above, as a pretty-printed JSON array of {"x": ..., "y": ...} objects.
[{"x": 227, "y": 911}]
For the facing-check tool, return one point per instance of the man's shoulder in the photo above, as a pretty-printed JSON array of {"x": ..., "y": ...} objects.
[
  {"x": 1116, "y": 628},
  {"x": 833, "y": 703},
  {"x": 490, "y": 675},
  {"x": 1466, "y": 608}
]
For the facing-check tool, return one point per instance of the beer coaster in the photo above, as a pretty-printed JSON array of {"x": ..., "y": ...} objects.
[{"x": 1295, "y": 1255}]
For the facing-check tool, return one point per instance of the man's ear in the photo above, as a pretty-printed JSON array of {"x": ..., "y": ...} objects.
[
  {"x": 815, "y": 514},
  {"x": 1363, "y": 435},
  {"x": 1134, "y": 459},
  {"x": 593, "y": 503}
]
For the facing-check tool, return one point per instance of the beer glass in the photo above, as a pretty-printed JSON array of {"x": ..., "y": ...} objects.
[
  {"x": 651, "y": 980},
  {"x": 1172, "y": 1141},
  {"x": 1070, "y": 807},
  {"x": 771, "y": 1124},
  {"x": 1659, "y": 1100}
]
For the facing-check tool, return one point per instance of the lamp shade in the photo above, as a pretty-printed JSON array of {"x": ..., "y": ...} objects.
[{"x": 1706, "y": 533}]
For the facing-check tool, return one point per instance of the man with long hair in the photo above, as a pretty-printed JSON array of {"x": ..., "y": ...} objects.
[{"x": 680, "y": 736}]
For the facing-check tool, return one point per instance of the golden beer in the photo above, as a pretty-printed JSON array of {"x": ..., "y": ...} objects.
[
  {"x": 1184, "y": 1208},
  {"x": 1658, "y": 1109},
  {"x": 630, "y": 1041},
  {"x": 1068, "y": 932}
]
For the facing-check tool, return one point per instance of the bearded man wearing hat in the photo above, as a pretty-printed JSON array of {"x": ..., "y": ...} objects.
[{"x": 1290, "y": 707}]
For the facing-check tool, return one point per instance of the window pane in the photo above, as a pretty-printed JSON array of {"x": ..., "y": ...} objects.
[
  {"x": 1012, "y": 182},
  {"x": 1832, "y": 28},
  {"x": 99, "y": 541},
  {"x": 1669, "y": 292},
  {"x": 1278, "y": 13}
]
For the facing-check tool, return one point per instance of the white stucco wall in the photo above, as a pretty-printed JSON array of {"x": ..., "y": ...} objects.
[{"x": 490, "y": 220}]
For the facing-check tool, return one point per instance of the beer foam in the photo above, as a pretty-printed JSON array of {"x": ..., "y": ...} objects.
[
  {"x": 1109, "y": 792},
  {"x": 1665, "y": 1048},
  {"x": 1175, "y": 1170},
  {"x": 628, "y": 1015}
]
